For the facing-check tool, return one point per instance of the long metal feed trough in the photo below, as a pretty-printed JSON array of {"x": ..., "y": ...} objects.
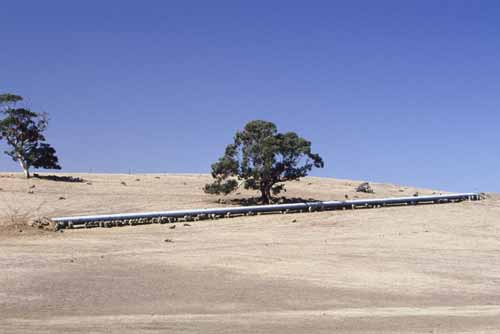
[{"x": 163, "y": 217}]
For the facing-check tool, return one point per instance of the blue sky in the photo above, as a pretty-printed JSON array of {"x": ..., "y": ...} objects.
[{"x": 403, "y": 92}]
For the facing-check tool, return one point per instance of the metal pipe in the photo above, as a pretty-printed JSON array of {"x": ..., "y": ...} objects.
[{"x": 146, "y": 217}]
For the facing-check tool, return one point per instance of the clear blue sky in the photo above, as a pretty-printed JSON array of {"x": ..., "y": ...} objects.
[{"x": 391, "y": 91}]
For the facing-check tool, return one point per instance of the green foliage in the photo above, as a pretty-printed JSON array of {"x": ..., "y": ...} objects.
[
  {"x": 9, "y": 98},
  {"x": 220, "y": 186},
  {"x": 262, "y": 159},
  {"x": 22, "y": 130}
]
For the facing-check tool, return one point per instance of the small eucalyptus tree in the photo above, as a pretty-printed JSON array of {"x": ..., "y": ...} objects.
[
  {"x": 22, "y": 130},
  {"x": 262, "y": 159}
]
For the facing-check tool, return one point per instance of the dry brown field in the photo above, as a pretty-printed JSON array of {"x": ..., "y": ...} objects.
[{"x": 415, "y": 269}]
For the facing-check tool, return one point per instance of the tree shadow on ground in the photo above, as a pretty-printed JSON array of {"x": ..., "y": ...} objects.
[
  {"x": 59, "y": 178},
  {"x": 257, "y": 201}
]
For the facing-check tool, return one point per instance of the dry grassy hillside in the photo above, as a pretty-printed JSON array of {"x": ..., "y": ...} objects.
[
  {"x": 418, "y": 269},
  {"x": 113, "y": 193}
]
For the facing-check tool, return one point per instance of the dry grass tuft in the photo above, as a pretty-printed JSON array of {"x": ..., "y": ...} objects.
[{"x": 20, "y": 214}]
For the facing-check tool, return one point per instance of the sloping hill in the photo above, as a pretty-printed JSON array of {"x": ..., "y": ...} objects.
[
  {"x": 420, "y": 269},
  {"x": 112, "y": 193}
]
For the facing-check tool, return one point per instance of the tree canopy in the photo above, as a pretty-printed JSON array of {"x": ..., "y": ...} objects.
[
  {"x": 22, "y": 130},
  {"x": 9, "y": 98},
  {"x": 261, "y": 158}
]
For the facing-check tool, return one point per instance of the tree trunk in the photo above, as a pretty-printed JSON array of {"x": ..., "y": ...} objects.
[
  {"x": 265, "y": 194},
  {"x": 264, "y": 198},
  {"x": 25, "y": 168}
]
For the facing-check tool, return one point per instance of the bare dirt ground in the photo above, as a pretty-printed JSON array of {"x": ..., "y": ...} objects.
[{"x": 423, "y": 269}]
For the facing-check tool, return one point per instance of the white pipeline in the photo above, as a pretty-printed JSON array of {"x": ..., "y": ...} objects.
[{"x": 196, "y": 214}]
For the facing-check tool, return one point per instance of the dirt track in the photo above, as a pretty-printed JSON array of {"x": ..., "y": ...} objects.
[{"x": 424, "y": 269}]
